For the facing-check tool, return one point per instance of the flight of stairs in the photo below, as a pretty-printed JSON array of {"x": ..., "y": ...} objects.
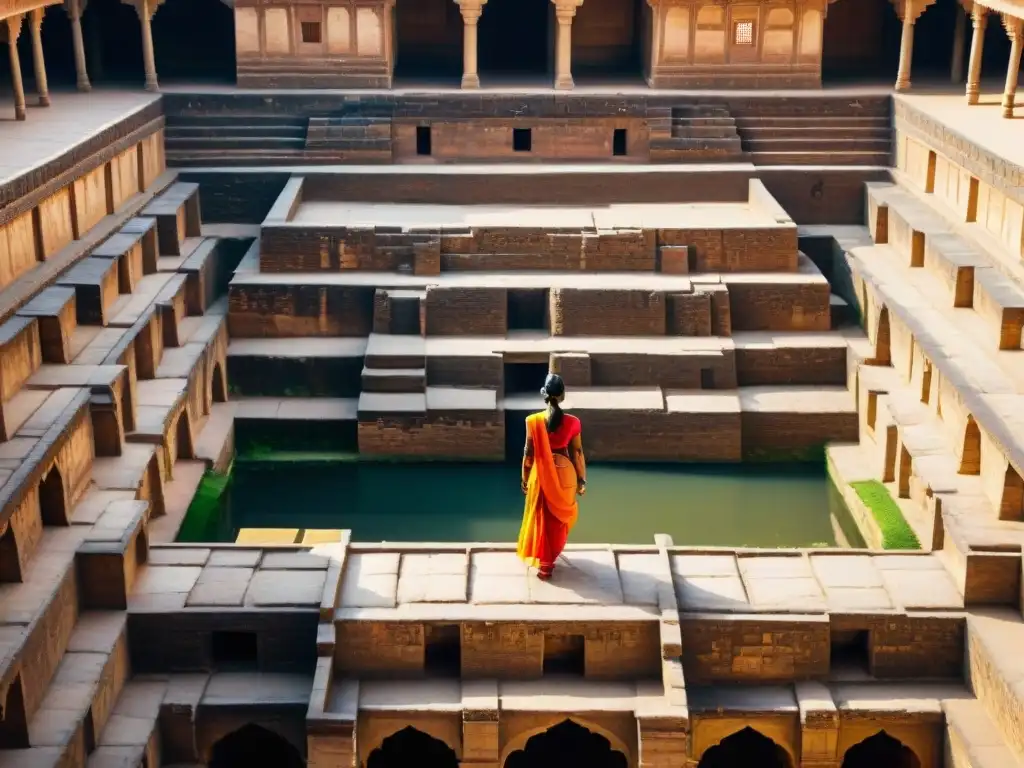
[
  {"x": 815, "y": 130},
  {"x": 235, "y": 139},
  {"x": 696, "y": 132}
]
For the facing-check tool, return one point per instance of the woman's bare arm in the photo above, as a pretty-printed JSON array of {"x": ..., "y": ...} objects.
[
  {"x": 579, "y": 461},
  {"x": 527, "y": 461}
]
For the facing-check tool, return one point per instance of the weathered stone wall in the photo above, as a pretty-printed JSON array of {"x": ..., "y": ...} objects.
[
  {"x": 296, "y": 311},
  {"x": 452, "y": 434}
]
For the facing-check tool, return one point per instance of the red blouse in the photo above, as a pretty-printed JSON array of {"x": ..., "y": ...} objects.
[{"x": 567, "y": 430}]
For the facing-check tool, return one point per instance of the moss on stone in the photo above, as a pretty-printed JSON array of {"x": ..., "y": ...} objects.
[
  {"x": 203, "y": 515},
  {"x": 896, "y": 532}
]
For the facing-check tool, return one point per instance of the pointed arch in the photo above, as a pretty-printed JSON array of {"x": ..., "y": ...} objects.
[
  {"x": 746, "y": 747},
  {"x": 10, "y": 563},
  {"x": 566, "y": 743},
  {"x": 219, "y": 384},
  {"x": 880, "y": 751},
  {"x": 411, "y": 746},
  {"x": 1011, "y": 505},
  {"x": 970, "y": 456},
  {"x": 183, "y": 434},
  {"x": 52, "y": 501},
  {"x": 926, "y": 383},
  {"x": 254, "y": 745},
  {"x": 14, "y": 724},
  {"x": 883, "y": 350}
]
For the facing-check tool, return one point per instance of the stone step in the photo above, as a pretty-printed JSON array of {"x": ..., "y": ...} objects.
[
  {"x": 394, "y": 379},
  {"x": 724, "y": 121},
  {"x": 237, "y": 120},
  {"x": 687, "y": 131},
  {"x": 132, "y": 736},
  {"x": 232, "y": 131},
  {"x": 816, "y": 121},
  {"x": 811, "y": 129},
  {"x": 869, "y": 158},
  {"x": 818, "y": 144},
  {"x": 216, "y": 143},
  {"x": 972, "y": 739}
]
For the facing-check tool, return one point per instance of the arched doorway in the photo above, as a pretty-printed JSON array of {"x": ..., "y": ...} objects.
[
  {"x": 567, "y": 743},
  {"x": 880, "y": 751},
  {"x": 112, "y": 35},
  {"x": 410, "y": 747},
  {"x": 1012, "y": 505},
  {"x": 51, "y": 498},
  {"x": 745, "y": 749},
  {"x": 253, "y": 745},
  {"x": 184, "y": 437},
  {"x": 10, "y": 564},
  {"x": 883, "y": 355}
]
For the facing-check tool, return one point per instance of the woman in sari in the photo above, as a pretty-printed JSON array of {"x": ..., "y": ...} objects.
[{"x": 554, "y": 473}]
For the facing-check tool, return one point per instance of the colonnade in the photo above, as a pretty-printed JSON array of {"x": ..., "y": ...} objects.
[
  {"x": 565, "y": 11},
  {"x": 911, "y": 10},
  {"x": 33, "y": 19}
]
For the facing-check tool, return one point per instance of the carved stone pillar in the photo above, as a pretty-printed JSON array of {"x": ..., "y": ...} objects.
[
  {"x": 38, "y": 61},
  {"x": 146, "y": 9},
  {"x": 471, "y": 10},
  {"x": 979, "y": 18},
  {"x": 565, "y": 10},
  {"x": 13, "y": 30},
  {"x": 910, "y": 14},
  {"x": 1015, "y": 29},
  {"x": 74, "y": 9}
]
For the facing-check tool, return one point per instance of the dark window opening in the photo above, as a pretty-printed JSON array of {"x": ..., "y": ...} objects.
[
  {"x": 564, "y": 655},
  {"x": 51, "y": 499},
  {"x": 311, "y": 32},
  {"x": 619, "y": 142},
  {"x": 516, "y": 38},
  {"x": 528, "y": 310},
  {"x": 850, "y": 653},
  {"x": 443, "y": 650},
  {"x": 691, "y": 258},
  {"x": 707, "y": 378},
  {"x": 10, "y": 565},
  {"x": 423, "y": 146},
  {"x": 234, "y": 650},
  {"x": 525, "y": 378},
  {"x": 522, "y": 139}
]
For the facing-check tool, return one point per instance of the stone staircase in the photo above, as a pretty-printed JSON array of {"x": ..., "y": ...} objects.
[
  {"x": 233, "y": 140},
  {"x": 695, "y": 132},
  {"x": 108, "y": 377},
  {"x": 815, "y": 130},
  {"x": 355, "y": 134}
]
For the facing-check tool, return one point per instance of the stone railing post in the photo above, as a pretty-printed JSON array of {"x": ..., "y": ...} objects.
[
  {"x": 1015, "y": 29},
  {"x": 13, "y": 30},
  {"x": 38, "y": 60},
  {"x": 471, "y": 11},
  {"x": 979, "y": 18},
  {"x": 565, "y": 10}
]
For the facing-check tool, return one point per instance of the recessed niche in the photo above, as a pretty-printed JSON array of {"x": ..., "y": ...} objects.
[
  {"x": 522, "y": 139},
  {"x": 234, "y": 650},
  {"x": 619, "y": 142},
  {"x": 528, "y": 309},
  {"x": 564, "y": 655},
  {"x": 423, "y": 140}
]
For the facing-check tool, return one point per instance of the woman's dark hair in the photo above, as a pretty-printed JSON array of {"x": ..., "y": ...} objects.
[{"x": 552, "y": 390}]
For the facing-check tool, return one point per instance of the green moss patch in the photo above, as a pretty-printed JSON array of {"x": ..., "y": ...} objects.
[
  {"x": 203, "y": 517},
  {"x": 896, "y": 532}
]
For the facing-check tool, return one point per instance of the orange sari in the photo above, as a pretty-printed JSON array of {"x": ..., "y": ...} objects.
[{"x": 550, "y": 510}]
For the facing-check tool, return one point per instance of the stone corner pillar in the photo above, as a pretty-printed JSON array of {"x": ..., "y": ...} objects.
[
  {"x": 74, "y": 10},
  {"x": 979, "y": 20},
  {"x": 18, "y": 85},
  {"x": 38, "y": 60},
  {"x": 471, "y": 11},
  {"x": 565, "y": 10},
  {"x": 1015, "y": 30}
]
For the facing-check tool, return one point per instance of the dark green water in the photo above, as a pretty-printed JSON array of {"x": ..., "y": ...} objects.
[{"x": 732, "y": 505}]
